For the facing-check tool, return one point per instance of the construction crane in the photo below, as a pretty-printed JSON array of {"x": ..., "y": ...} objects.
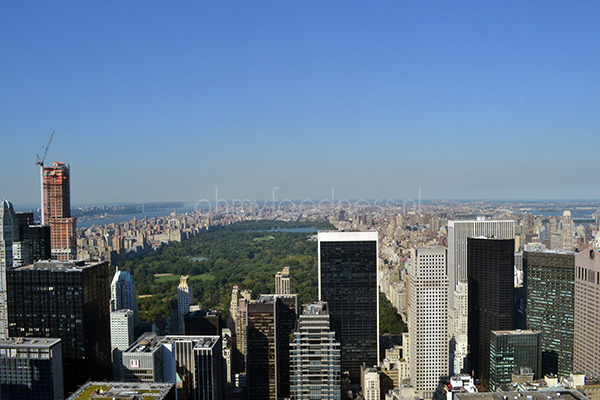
[{"x": 40, "y": 162}]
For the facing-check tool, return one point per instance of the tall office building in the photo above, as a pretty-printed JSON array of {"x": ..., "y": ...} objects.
[
  {"x": 458, "y": 232},
  {"x": 123, "y": 295},
  {"x": 67, "y": 300},
  {"x": 271, "y": 320},
  {"x": 9, "y": 234},
  {"x": 586, "y": 353},
  {"x": 490, "y": 270},
  {"x": 185, "y": 298},
  {"x": 549, "y": 285},
  {"x": 567, "y": 232},
  {"x": 282, "y": 282},
  {"x": 57, "y": 211},
  {"x": 121, "y": 337},
  {"x": 428, "y": 321},
  {"x": 203, "y": 323},
  {"x": 31, "y": 369},
  {"x": 314, "y": 356},
  {"x": 510, "y": 351},
  {"x": 348, "y": 283},
  {"x": 37, "y": 240}
]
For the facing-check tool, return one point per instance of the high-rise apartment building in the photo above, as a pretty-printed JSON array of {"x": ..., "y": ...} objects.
[
  {"x": 567, "y": 231},
  {"x": 271, "y": 320},
  {"x": 586, "y": 353},
  {"x": 314, "y": 356},
  {"x": 238, "y": 324},
  {"x": 428, "y": 321},
  {"x": 185, "y": 298},
  {"x": 512, "y": 350},
  {"x": 57, "y": 211},
  {"x": 549, "y": 285},
  {"x": 67, "y": 300},
  {"x": 348, "y": 283},
  {"x": 123, "y": 295},
  {"x": 121, "y": 337},
  {"x": 9, "y": 234},
  {"x": 490, "y": 270},
  {"x": 31, "y": 369},
  {"x": 282, "y": 282}
]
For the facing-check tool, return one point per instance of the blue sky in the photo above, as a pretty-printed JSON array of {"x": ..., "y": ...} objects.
[{"x": 160, "y": 101}]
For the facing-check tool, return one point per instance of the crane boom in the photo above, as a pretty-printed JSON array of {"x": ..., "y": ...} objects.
[{"x": 40, "y": 162}]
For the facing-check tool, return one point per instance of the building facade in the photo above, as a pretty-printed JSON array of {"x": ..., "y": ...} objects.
[
  {"x": 512, "y": 350},
  {"x": 428, "y": 321},
  {"x": 490, "y": 269},
  {"x": 348, "y": 283},
  {"x": 271, "y": 320},
  {"x": 549, "y": 285},
  {"x": 283, "y": 282},
  {"x": 9, "y": 234},
  {"x": 67, "y": 300},
  {"x": 31, "y": 369},
  {"x": 315, "y": 356},
  {"x": 57, "y": 211},
  {"x": 586, "y": 352},
  {"x": 123, "y": 295},
  {"x": 121, "y": 337},
  {"x": 185, "y": 298}
]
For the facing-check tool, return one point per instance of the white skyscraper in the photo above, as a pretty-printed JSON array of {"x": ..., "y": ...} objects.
[
  {"x": 282, "y": 282},
  {"x": 185, "y": 299},
  {"x": 428, "y": 321},
  {"x": 121, "y": 337},
  {"x": 123, "y": 295},
  {"x": 9, "y": 234}
]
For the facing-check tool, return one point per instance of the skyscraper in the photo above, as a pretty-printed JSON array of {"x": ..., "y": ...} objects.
[
  {"x": 185, "y": 298},
  {"x": 282, "y": 282},
  {"x": 428, "y": 321},
  {"x": 314, "y": 356},
  {"x": 57, "y": 211},
  {"x": 490, "y": 270},
  {"x": 67, "y": 300},
  {"x": 123, "y": 294},
  {"x": 348, "y": 283},
  {"x": 567, "y": 232},
  {"x": 238, "y": 324},
  {"x": 9, "y": 234},
  {"x": 121, "y": 337},
  {"x": 549, "y": 284},
  {"x": 586, "y": 353},
  {"x": 271, "y": 320}
]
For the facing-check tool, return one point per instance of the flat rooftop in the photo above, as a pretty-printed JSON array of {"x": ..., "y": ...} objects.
[
  {"x": 122, "y": 391},
  {"x": 532, "y": 395},
  {"x": 56, "y": 265},
  {"x": 28, "y": 342},
  {"x": 515, "y": 332},
  {"x": 150, "y": 342}
]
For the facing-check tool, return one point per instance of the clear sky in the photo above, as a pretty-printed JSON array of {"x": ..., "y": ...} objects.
[{"x": 166, "y": 101}]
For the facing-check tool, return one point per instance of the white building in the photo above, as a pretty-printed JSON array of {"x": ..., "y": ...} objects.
[
  {"x": 121, "y": 337},
  {"x": 428, "y": 321},
  {"x": 185, "y": 299},
  {"x": 282, "y": 282},
  {"x": 370, "y": 384},
  {"x": 123, "y": 295}
]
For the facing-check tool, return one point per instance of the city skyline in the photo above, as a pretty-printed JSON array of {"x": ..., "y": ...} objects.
[{"x": 153, "y": 102}]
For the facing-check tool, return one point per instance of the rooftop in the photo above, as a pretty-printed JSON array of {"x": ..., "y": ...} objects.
[
  {"x": 56, "y": 265},
  {"x": 122, "y": 391},
  {"x": 28, "y": 342},
  {"x": 564, "y": 394}
]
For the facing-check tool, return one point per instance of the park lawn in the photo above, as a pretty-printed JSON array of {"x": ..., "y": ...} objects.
[{"x": 169, "y": 278}]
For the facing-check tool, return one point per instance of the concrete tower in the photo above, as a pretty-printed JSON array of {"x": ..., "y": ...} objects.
[
  {"x": 282, "y": 282},
  {"x": 428, "y": 322},
  {"x": 57, "y": 211},
  {"x": 123, "y": 295}
]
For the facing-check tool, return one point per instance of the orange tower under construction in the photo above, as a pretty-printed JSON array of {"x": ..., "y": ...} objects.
[{"x": 57, "y": 211}]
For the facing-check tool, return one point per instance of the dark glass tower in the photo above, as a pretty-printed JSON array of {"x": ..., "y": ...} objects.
[
  {"x": 490, "y": 270},
  {"x": 549, "y": 283},
  {"x": 271, "y": 320},
  {"x": 67, "y": 300},
  {"x": 348, "y": 283}
]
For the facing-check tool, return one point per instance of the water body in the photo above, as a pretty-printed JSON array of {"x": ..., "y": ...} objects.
[{"x": 198, "y": 258}]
